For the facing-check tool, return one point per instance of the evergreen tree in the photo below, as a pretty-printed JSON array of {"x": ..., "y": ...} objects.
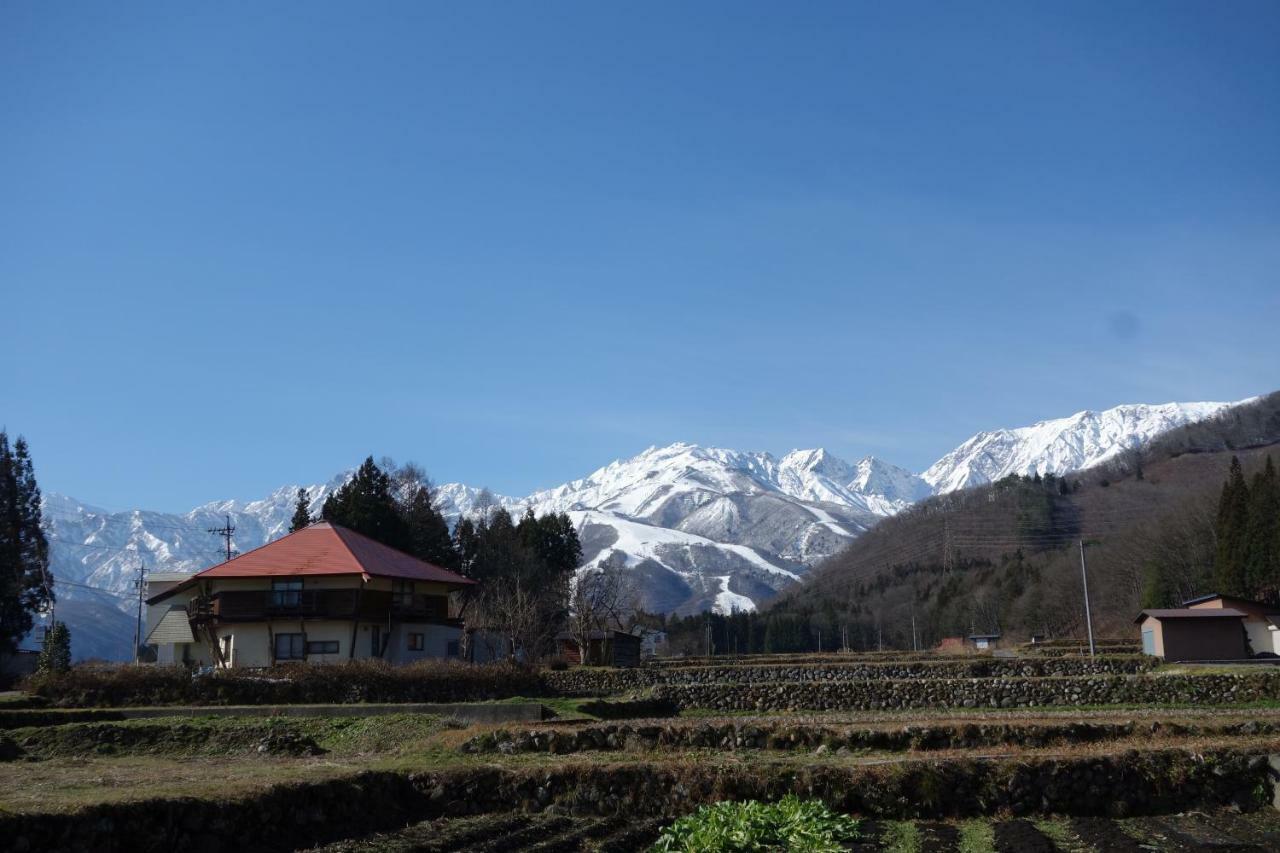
[
  {"x": 367, "y": 505},
  {"x": 554, "y": 540},
  {"x": 428, "y": 531},
  {"x": 301, "y": 512},
  {"x": 466, "y": 544},
  {"x": 55, "y": 654},
  {"x": 1157, "y": 589},
  {"x": 1261, "y": 562},
  {"x": 1232, "y": 531},
  {"x": 26, "y": 584}
]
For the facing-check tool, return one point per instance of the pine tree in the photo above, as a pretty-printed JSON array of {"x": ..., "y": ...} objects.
[
  {"x": 301, "y": 512},
  {"x": 55, "y": 654},
  {"x": 26, "y": 584},
  {"x": 367, "y": 505},
  {"x": 1232, "y": 531}
]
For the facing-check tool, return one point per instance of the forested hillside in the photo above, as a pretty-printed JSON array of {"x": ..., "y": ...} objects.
[{"x": 1006, "y": 556}]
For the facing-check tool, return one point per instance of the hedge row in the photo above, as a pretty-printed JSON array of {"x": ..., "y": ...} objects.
[
  {"x": 1057, "y": 647},
  {"x": 599, "y": 681},
  {"x": 786, "y": 735},
  {"x": 357, "y": 681},
  {"x": 289, "y": 817},
  {"x": 975, "y": 693}
]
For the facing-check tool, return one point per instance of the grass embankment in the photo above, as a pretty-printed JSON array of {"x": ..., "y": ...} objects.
[{"x": 217, "y": 758}]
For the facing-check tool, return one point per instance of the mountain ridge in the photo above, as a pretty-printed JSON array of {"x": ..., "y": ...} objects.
[{"x": 702, "y": 527}]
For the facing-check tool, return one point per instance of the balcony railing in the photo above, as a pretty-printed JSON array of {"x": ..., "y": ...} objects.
[{"x": 367, "y": 605}]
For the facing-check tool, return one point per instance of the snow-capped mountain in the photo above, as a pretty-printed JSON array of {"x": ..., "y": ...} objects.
[
  {"x": 1066, "y": 444},
  {"x": 700, "y": 527},
  {"x": 685, "y": 517}
]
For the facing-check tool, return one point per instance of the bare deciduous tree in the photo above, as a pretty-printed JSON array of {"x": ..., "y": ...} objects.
[{"x": 601, "y": 600}]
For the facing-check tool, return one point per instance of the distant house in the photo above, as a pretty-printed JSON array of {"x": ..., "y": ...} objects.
[
  {"x": 982, "y": 642},
  {"x": 1190, "y": 634},
  {"x": 652, "y": 642},
  {"x": 1261, "y": 621},
  {"x": 321, "y": 594},
  {"x": 605, "y": 648},
  {"x": 165, "y": 642}
]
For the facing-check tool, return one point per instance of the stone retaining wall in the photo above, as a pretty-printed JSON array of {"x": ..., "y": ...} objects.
[
  {"x": 287, "y": 817},
  {"x": 787, "y": 735},
  {"x": 600, "y": 681},
  {"x": 975, "y": 692}
]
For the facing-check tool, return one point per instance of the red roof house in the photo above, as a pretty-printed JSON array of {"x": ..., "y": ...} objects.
[{"x": 323, "y": 593}]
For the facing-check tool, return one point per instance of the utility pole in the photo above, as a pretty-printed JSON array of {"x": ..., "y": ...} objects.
[
  {"x": 141, "y": 584},
  {"x": 225, "y": 532},
  {"x": 915, "y": 647},
  {"x": 1088, "y": 618}
]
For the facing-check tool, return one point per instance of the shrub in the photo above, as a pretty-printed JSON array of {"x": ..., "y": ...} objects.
[
  {"x": 355, "y": 681},
  {"x": 789, "y": 824}
]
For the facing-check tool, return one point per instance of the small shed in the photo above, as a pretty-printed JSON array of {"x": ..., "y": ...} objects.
[
  {"x": 604, "y": 648},
  {"x": 1189, "y": 634},
  {"x": 984, "y": 641},
  {"x": 1260, "y": 619}
]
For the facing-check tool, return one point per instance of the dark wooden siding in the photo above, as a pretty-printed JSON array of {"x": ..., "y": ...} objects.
[{"x": 1203, "y": 639}]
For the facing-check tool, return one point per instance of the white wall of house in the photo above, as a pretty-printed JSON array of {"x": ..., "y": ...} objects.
[
  {"x": 251, "y": 644},
  {"x": 1261, "y": 637},
  {"x": 1270, "y": 644}
]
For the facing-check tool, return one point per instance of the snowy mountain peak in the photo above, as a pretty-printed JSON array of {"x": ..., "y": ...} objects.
[
  {"x": 1064, "y": 444},
  {"x": 874, "y": 476},
  {"x": 820, "y": 462}
]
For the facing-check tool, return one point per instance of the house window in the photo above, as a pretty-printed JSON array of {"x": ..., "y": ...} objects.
[
  {"x": 291, "y": 647},
  {"x": 417, "y": 642},
  {"x": 452, "y": 649},
  {"x": 286, "y": 593},
  {"x": 227, "y": 649},
  {"x": 322, "y": 647},
  {"x": 402, "y": 593}
]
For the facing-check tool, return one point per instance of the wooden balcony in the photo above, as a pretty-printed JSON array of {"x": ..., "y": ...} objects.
[{"x": 366, "y": 606}]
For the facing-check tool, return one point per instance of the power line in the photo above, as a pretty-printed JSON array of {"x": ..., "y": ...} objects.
[
  {"x": 102, "y": 589},
  {"x": 134, "y": 551}
]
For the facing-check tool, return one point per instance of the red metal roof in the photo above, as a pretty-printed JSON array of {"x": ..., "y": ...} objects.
[{"x": 327, "y": 549}]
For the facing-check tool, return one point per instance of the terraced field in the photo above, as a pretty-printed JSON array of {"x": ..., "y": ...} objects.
[
  {"x": 1007, "y": 772},
  {"x": 1189, "y": 833}
]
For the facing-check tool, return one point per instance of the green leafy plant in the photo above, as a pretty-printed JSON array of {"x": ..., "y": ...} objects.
[{"x": 789, "y": 824}]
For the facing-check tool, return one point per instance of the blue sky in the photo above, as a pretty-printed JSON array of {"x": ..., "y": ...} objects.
[{"x": 248, "y": 244}]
